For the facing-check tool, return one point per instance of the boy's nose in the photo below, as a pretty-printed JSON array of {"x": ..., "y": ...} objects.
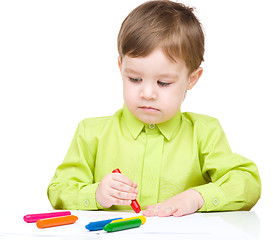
[{"x": 148, "y": 92}]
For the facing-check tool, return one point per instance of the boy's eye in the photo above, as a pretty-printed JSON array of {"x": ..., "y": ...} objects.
[
  {"x": 163, "y": 84},
  {"x": 135, "y": 79}
]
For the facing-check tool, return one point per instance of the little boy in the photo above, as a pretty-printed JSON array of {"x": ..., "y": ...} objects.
[{"x": 173, "y": 163}]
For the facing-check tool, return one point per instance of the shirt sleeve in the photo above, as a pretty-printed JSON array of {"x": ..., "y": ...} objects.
[
  {"x": 233, "y": 181},
  {"x": 72, "y": 186}
]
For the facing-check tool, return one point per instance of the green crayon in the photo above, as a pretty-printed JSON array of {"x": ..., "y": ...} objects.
[{"x": 122, "y": 225}]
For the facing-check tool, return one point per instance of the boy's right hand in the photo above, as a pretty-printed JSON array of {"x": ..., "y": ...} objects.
[{"x": 116, "y": 189}]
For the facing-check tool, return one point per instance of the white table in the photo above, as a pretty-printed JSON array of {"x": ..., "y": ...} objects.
[{"x": 224, "y": 225}]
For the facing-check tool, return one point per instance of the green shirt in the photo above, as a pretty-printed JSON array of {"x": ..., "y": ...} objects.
[{"x": 188, "y": 151}]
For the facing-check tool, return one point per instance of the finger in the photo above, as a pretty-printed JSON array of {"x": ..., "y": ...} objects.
[
  {"x": 164, "y": 209},
  {"x": 183, "y": 211},
  {"x": 166, "y": 212},
  {"x": 160, "y": 209},
  {"x": 150, "y": 212},
  {"x": 117, "y": 201},
  {"x": 122, "y": 178},
  {"x": 122, "y": 202},
  {"x": 146, "y": 213},
  {"x": 180, "y": 213},
  {"x": 123, "y": 195},
  {"x": 120, "y": 186}
]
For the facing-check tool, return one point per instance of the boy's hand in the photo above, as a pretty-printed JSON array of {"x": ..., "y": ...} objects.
[
  {"x": 116, "y": 189},
  {"x": 184, "y": 203}
]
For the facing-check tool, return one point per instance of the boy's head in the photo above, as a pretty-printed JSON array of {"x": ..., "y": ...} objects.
[
  {"x": 163, "y": 24},
  {"x": 161, "y": 46}
]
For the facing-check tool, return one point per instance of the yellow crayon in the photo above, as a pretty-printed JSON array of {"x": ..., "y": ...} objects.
[{"x": 142, "y": 218}]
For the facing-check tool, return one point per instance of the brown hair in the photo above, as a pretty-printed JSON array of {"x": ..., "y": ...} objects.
[{"x": 169, "y": 25}]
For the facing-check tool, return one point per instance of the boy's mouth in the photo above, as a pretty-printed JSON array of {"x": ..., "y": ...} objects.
[{"x": 149, "y": 109}]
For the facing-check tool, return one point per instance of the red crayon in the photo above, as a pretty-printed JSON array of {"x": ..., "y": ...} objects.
[{"x": 134, "y": 203}]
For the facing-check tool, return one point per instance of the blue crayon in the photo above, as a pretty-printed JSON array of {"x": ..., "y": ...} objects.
[{"x": 94, "y": 226}]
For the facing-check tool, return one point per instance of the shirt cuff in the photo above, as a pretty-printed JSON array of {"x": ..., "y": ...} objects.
[
  {"x": 214, "y": 198},
  {"x": 87, "y": 198}
]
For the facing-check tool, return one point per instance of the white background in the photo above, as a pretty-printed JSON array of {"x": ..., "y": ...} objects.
[{"x": 58, "y": 65}]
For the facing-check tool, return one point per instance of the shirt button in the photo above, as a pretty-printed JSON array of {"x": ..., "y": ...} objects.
[
  {"x": 215, "y": 201},
  {"x": 151, "y": 126},
  {"x": 86, "y": 202}
]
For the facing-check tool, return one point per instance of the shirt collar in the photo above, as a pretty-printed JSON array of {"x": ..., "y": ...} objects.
[
  {"x": 135, "y": 126},
  {"x": 170, "y": 127}
]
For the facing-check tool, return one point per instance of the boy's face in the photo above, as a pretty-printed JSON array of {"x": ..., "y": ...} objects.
[{"x": 154, "y": 87}]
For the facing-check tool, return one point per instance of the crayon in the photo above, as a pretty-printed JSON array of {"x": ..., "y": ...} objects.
[
  {"x": 94, "y": 226},
  {"x": 123, "y": 225},
  {"x": 134, "y": 203},
  {"x": 142, "y": 218},
  {"x": 30, "y": 218},
  {"x": 57, "y": 221}
]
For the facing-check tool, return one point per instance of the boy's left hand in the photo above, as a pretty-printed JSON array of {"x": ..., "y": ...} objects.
[{"x": 184, "y": 203}]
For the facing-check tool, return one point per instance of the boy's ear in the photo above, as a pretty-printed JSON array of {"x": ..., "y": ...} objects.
[
  {"x": 194, "y": 77},
  {"x": 119, "y": 64}
]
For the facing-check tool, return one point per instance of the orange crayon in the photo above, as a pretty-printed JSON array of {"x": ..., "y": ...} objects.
[{"x": 57, "y": 221}]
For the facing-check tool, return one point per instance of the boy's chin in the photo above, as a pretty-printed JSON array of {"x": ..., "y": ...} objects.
[{"x": 150, "y": 120}]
